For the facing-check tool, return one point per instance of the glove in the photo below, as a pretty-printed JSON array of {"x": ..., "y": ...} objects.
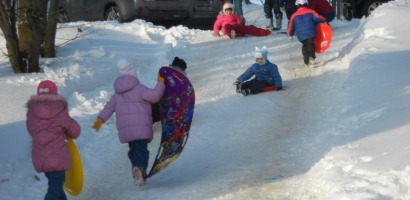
[
  {"x": 279, "y": 89},
  {"x": 282, "y": 9},
  {"x": 290, "y": 38},
  {"x": 216, "y": 35},
  {"x": 97, "y": 124},
  {"x": 238, "y": 85},
  {"x": 160, "y": 79}
]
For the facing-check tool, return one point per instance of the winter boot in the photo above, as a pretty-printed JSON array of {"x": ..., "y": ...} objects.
[
  {"x": 311, "y": 62},
  {"x": 138, "y": 176},
  {"x": 269, "y": 24},
  {"x": 279, "y": 23},
  {"x": 238, "y": 85},
  {"x": 233, "y": 34},
  {"x": 246, "y": 92}
]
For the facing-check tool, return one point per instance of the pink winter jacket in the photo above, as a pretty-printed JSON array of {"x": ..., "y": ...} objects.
[
  {"x": 132, "y": 106},
  {"x": 47, "y": 122},
  {"x": 222, "y": 20}
]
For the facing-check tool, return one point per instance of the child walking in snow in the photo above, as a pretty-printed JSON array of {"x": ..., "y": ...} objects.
[
  {"x": 132, "y": 105},
  {"x": 231, "y": 24},
  {"x": 180, "y": 65},
  {"x": 265, "y": 74},
  {"x": 304, "y": 22},
  {"x": 49, "y": 123}
]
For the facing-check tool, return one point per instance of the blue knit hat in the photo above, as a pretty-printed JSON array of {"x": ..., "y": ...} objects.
[{"x": 261, "y": 53}]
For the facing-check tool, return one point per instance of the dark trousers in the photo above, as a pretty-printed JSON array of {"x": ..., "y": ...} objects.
[
  {"x": 55, "y": 186},
  {"x": 308, "y": 49},
  {"x": 268, "y": 6},
  {"x": 256, "y": 86},
  {"x": 139, "y": 154},
  {"x": 290, "y": 8}
]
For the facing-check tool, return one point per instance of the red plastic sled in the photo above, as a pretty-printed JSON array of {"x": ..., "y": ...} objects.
[
  {"x": 269, "y": 88},
  {"x": 323, "y": 37}
]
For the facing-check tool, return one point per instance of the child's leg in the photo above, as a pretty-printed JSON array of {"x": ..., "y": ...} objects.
[
  {"x": 255, "y": 86},
  {"x": 139, "y": 154},
  {"x": 55, "y": 185},
  {"x": 308, "y": 50},
  {"x": 255, "y": 31},
  {"x": 239, "y": 29}
]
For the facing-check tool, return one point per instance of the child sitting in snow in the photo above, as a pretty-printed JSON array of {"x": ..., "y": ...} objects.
[
  {"x": 132, "y": 106},
  {"x": 49, "y": 123},
  {"x": 304, "y": 22},
  {"x": 231, "y": 25},
  {"x": 265, "y": 72}
]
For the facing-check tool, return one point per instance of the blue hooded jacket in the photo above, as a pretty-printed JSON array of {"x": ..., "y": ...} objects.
[
  {"x": 268, "y": 72},
  {"x": 304, "y": 22}
]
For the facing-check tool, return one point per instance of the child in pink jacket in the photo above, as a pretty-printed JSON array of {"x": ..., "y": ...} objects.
[
  {"x": 132, "y": 106},
  {"x": 231, "y": 24},
  {"x": 48, "y": 123}
]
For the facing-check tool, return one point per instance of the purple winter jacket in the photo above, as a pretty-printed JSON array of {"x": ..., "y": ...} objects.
[
  {"x": 47, "y": 122},
  {"x": 132, "y": 106}
]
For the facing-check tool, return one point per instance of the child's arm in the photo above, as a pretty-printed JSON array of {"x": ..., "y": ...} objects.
[
  {"x": 108, "y": 110},
  {"x": 154, "y": 95},
  {"x": 318, "y": 18},
  {"x": 246, "y": 75},
  {"x": 277, "y": 79},
  {"x": 71, "y": 127},
  {"x": 217, "y": 25}
]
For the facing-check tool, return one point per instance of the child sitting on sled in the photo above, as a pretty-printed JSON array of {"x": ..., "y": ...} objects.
[
  {"x": 132, "y": 106},
  {"x": 231, "y": 25},
  {"x": 264, "y": 72}
]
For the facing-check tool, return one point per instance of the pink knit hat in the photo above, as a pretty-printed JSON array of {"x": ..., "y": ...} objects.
[{"x": 47, "y": 87}]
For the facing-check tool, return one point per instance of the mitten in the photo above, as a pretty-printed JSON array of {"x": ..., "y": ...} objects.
[
  {"x": 160, "y": 79},
  {"x": 97, "y": 124},
  {"x": 290, "y": 38}
]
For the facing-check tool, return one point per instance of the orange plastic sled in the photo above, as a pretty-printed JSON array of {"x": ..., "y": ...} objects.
[{"x": 323, "y": 37}]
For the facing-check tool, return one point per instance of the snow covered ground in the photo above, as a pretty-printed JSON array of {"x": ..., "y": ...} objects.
[{"x": 340, "y": 131}]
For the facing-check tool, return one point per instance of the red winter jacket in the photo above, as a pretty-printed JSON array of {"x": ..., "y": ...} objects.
[
  {"x": 320, "y": 6},
  {"x": 47, "y": 122}
]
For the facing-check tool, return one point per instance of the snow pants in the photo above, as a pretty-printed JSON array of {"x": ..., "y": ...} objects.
[
  {"x": 308, "y": 49},
  {"x": 139, "y": 154},
  {"x": 55, "y": 189},
  {"x": 241, "y": 30},
  {"x": 256, "y": 86}
]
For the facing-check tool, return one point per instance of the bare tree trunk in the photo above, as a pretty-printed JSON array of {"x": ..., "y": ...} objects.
[
  {"x": 34, "y": 21},
  {"x": 24, "y": 31},
  {"x": 51, "y": 29},
  {"x": 8, "y": 27}
]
